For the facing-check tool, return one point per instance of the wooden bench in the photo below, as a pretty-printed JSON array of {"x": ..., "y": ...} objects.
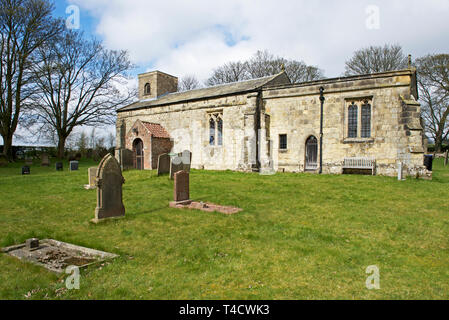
[{"x": 360, "y": 164}]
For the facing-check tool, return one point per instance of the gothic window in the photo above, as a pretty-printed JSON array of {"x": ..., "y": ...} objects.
[
  {"x": 147, "y": 89},
  {"x": 366, "y": 120},
  {"x": 216, "y": 129},
  {"x": 352, "y": 120},
  {"x": 212, "y": 131}
]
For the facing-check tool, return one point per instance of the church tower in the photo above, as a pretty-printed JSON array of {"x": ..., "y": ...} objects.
[{"x": 154, "y": 84}]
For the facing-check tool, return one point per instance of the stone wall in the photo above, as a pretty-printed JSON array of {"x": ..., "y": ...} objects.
[{"x": 294, "y": 110}]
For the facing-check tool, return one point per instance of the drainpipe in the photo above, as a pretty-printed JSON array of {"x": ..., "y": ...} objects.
[{"x": 321, "y": 128}]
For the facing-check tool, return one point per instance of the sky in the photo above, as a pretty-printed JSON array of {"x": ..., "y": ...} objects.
[{"x": 194, "y": 37}]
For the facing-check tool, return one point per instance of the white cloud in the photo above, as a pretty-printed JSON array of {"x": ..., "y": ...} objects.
[{"x": 192, "y": 37}]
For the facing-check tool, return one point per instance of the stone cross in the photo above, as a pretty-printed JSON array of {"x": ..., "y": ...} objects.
[
  {"x": 45, "y": 160},
  {"x": 181, "y": 189},
  {"x": 163, "y": 164},
  {"x": 109, "y": 181}
]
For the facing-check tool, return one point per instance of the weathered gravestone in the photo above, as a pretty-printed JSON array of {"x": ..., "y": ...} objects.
[
  {"x": 26, "y": 170},
  {"x": 163, "y": 164},
  {"x": 3, "y": 161},
  {"x": 59, "y": 166},
  {"x": 181, "y": 192},
  {"x": 73, "y": 165},
  {"x": 109, "y": 181},
  {"x": 91, "y": 172},
  {"x": 45, "y": 160},
  {"x": 180, "y": 162}
]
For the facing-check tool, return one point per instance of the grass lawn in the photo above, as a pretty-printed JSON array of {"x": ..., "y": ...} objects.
[{"x": 300, "y": 236}]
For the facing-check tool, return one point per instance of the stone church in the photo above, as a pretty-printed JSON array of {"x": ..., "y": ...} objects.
[{"x": 270, "y": 125}]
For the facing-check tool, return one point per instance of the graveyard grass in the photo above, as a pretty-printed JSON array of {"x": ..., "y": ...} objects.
[{"x": 300, "y": 236}]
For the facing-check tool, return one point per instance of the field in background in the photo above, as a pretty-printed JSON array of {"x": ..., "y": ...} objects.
[{"x": 300, "y": 236}]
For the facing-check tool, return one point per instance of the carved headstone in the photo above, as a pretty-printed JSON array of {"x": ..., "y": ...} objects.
[
  {"x": 91, "y": 172},
  {"x": 26, "y": 170},
  {"x": 59, "y": 166},
  {"x": 180, "y": 162},
  {"x": 109, "y": 181},
  {"x": 181, "y": 189},
  {"x": 163, "y": 164},
  {"x": 74, "y": 165},
  {"x": 45, "y": 160}
]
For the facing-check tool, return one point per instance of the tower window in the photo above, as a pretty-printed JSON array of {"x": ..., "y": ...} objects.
[{"x": 147, "y": 89}]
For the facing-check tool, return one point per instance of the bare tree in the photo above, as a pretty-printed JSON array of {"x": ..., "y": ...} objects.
[
  {"x": 264, "y": 64},
  {"x": 433, "y": 82},
  {"x": 25, "y": 25},
  {"x": 229, "y": 72},
  {"x": 375, "y": 59},
  {"x": 188, "y": 82},
  {"x": 79, "y": 84}
]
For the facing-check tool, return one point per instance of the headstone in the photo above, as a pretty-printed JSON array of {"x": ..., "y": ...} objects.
[
  {"x": 446, "y": 158},
  {"x": 109, "y": 181},
  {"x": 163, "y": 164},
  {"x": 45, "y": 160},
  {"x": 73, "y": 165},
  {"x": 91, "y": 172},
  {"x": 59, "y": 166},
  {"x": 3, "y": 161},
  {"x": 180, "y": 162},
  {"x": 181, "y": 189},
  {"x": 26, "y": 170},
  {"x": 29, "y": 161}
]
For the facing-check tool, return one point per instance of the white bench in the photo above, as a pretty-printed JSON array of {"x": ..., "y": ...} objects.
[{"x": 360, "y": 163}]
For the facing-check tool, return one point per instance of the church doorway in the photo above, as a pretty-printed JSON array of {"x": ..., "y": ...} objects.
[
  {"x": 311, "y": 154},
  {"x": 138, "y": 154}
]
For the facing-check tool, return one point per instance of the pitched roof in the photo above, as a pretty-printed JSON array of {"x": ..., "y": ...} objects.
[
  {"x": 156, "y": 130},
  {"x": 215, "y": 91}
]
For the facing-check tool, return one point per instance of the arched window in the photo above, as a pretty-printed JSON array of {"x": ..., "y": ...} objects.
[
  {"x": 352, "y": 120},
  {"x": 220, "y": 131},
  {"x": 212, "y": 131},
  {"x": 147, "y": 89},
  {"x": 366, "y": 120},
  {"x": 216, "y": 129}
]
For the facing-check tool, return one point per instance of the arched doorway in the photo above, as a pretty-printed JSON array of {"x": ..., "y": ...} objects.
[
  {"x": 138, "y": 154},
  {"x": 311, "y": 154}
]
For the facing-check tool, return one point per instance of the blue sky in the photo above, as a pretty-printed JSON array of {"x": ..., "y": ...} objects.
[{"x": 193, "y": 37}]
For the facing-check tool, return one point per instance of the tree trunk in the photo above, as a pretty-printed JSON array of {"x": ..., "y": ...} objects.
[
  {"x": 7, "y": 147},
  {"x": 61, "y": 147},
  {"x": 438, "y": 143}
]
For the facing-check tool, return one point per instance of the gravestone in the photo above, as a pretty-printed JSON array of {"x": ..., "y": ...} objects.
[
  {"x": 26, "y": 170},
  {"x": 73, "y": 165},
  {"x": 181, "y": 189},
  {"x": 109, "y": 181},
  {"x": 3, "y": 161},
  {"x": 29, "y": 161},
  {"x": 59, "y": 166},
  {"x": 400, "y": 172},
  {"x": 180, "y": 162},
  {"x": 163, "y": 164},
  {"x": 91, "y": 172},
  {"x": 45, "y": 160},
  {"x": 446, "y": 158}
]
